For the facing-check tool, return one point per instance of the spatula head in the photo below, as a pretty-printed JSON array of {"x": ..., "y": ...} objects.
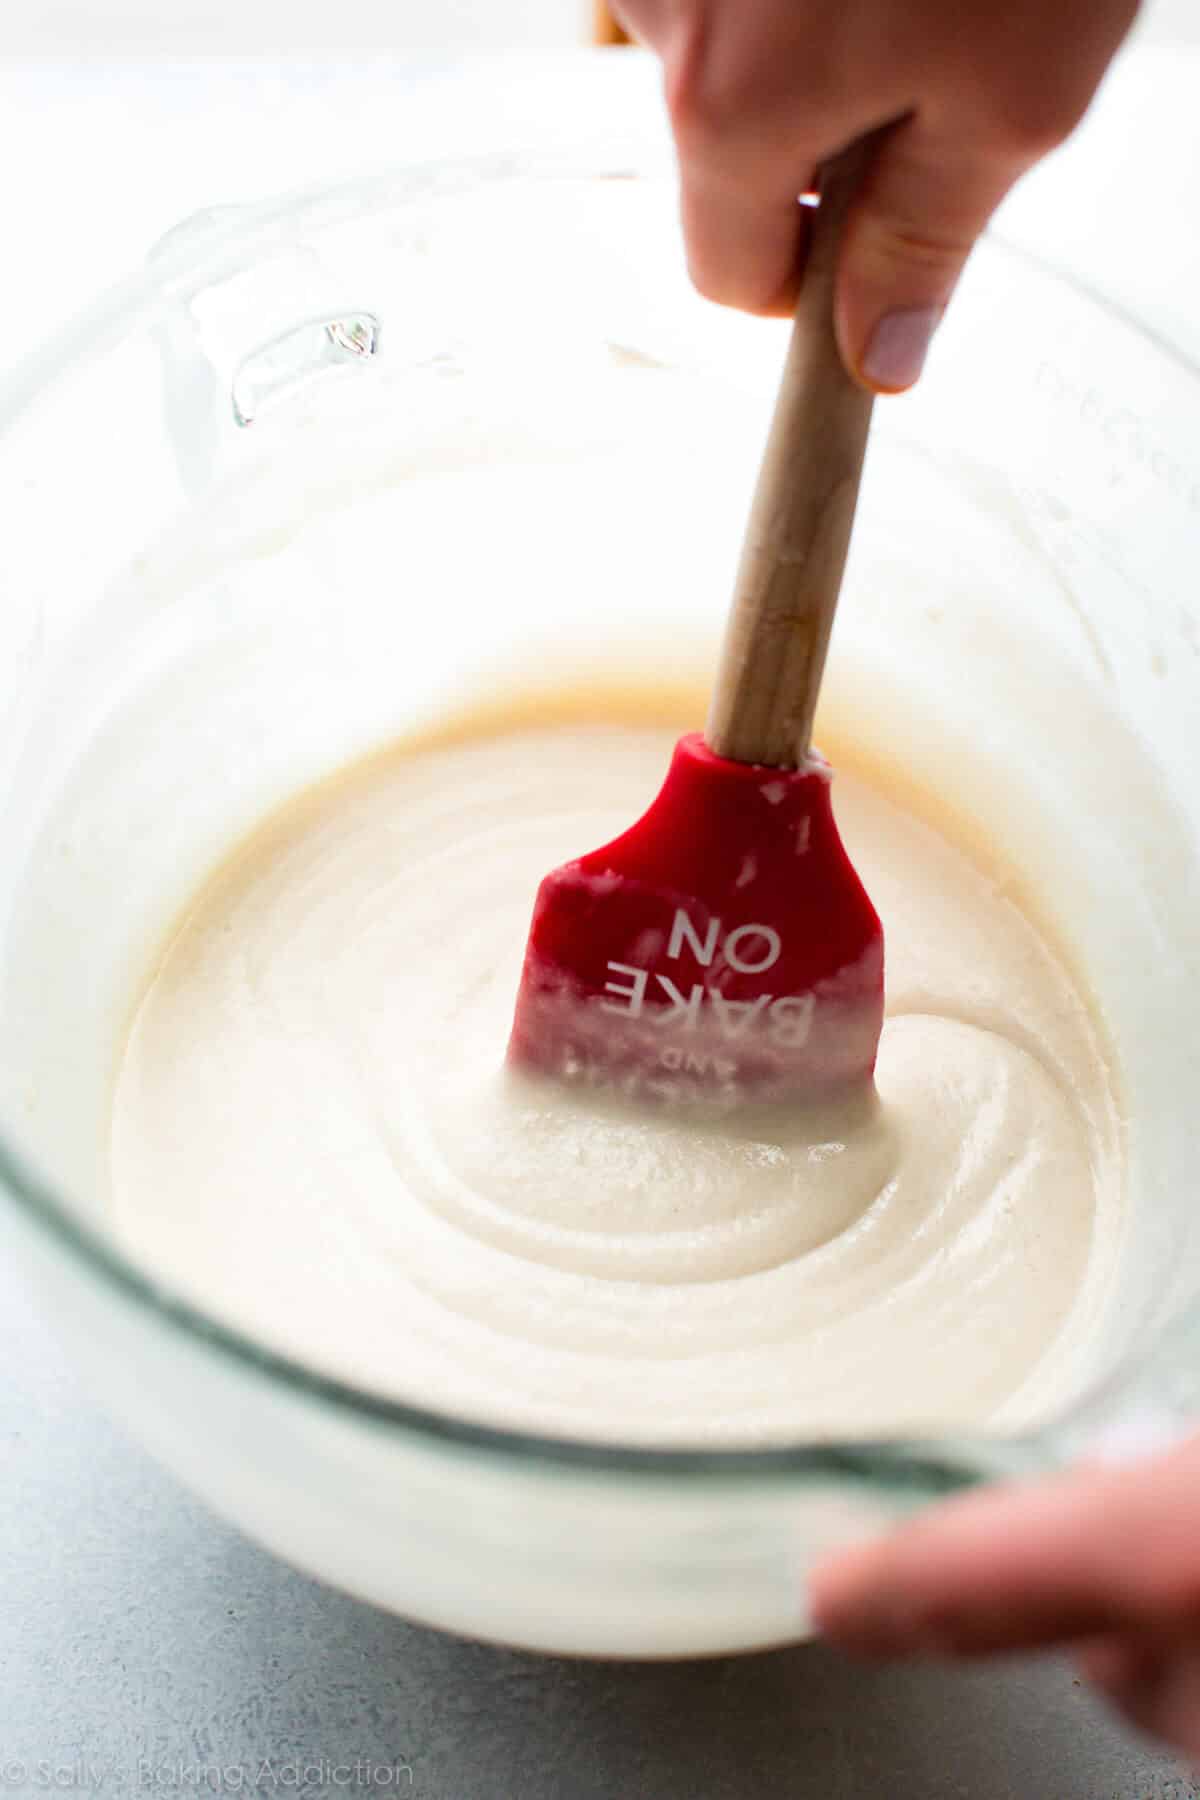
[{"x": 721, "y": 952}]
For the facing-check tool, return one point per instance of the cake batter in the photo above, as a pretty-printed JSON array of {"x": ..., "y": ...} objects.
[{"x": 314, "y": 1133}]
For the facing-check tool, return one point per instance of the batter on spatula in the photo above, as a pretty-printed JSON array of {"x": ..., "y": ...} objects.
[{"x": 315, "y": 1133}]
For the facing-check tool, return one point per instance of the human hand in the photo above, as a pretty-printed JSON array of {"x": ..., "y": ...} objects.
[
  {"x": 965, "y": 94},
  {"x": 1104, "y": 1560}
]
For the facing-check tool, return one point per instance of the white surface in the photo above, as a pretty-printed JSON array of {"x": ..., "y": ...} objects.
[
  {"x": 132, "y": 1623},
  {"x": 183, "y": 27},
  {"x": 132, "y": 27}
]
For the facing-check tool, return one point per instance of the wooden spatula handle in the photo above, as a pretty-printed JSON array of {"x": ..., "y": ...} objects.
[{"x": 799, "y": 531}]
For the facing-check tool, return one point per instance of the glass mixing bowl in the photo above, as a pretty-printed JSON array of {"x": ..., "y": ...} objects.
[{"x": 195, "y": 626}]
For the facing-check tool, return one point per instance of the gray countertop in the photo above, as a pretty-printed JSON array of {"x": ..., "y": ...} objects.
[{"x": 147, "y": 1648}]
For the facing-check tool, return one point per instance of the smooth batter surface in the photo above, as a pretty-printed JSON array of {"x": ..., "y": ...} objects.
[{"x": 313, "y": 1134}]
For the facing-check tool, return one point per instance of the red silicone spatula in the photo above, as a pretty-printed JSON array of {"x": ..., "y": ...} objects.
[{"x": 723, "y": 951}]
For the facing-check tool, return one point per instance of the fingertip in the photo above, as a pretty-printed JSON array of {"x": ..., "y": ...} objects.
[
  {"x": 850, "y": 1605},
  {"x": 885, "y": 324},
  {"x": 838, "y": 1584},
  {"x": 892, "y": 358}
]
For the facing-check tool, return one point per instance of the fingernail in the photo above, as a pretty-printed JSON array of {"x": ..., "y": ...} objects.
[{"x": 898, "y": 347}]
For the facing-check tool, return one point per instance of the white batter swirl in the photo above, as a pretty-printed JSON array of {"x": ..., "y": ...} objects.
[{"x": 314, "y": 1136}]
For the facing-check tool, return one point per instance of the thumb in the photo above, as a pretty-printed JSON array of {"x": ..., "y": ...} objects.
[{"x": 913, "y": 225}]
